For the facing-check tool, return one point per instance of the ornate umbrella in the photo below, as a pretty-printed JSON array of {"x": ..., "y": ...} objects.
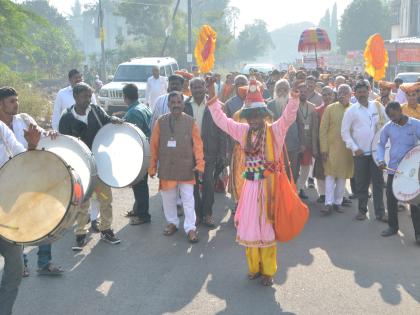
[
  {"x": 314, "y": 39},
  {"x": 376, "y": 57}
]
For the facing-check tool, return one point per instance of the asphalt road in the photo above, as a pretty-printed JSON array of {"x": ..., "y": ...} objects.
[{"x": 337, "y": 266}]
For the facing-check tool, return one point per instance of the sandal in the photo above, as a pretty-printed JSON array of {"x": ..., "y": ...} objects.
[
  {"x": 25, "y": 272},
  {"x": 129, "y": 214},
  {"x": 170, "y": 229},
  {"x": 253, "y": 276},
  {"x": 192, "y": 237},
  {"x": 267, "y": 281},
  {"x": 50, "y": 270},
  {"x": 209, "y": 222}
]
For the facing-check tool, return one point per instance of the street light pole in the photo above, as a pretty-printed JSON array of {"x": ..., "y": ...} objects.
[
  {"x": 102, "y": 38},
  {"x": 189, "y": 53}
]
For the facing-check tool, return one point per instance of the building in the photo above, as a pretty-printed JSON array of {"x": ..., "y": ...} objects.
[{"x": 404, "y": 45}]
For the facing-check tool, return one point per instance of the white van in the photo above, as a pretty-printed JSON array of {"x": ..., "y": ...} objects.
[{"x": 136, "y": 71}]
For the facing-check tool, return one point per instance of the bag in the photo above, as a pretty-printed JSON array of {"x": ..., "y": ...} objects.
[{"x": 290, "y": 214}]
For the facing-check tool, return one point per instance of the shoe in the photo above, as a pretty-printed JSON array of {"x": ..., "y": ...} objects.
[
  {"x": 311, "y": 182},
  {"x": 109, "y": 237},
  {"x": 130, "y": 213},
  {"x": 327, "y": 210},
  {"x": 94, "y": 226},
  {"x": 346, "y": 202},
  {"x": 25, "y": 272},
  {"x": 302, "y": 194},
  {"x": 138, "y": 221},
  {"x": 321, "y": 199},
  {"x": 209, "y": 222},
  {"x": 361, "y": 216},
  {"x": 338, "y": 209},
  {"x": 389, "y": 232},
  {"x": 80, "y": 242},
  {"x": 382, "y": 218},
  {"x": 50, "y": 270}
]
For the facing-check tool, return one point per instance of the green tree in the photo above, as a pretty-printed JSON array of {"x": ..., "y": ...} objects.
[
  {"x": 361, "y": 19},
  {"x": 253, "y": 41},
  {"x": 334, "y": 26},
  {"x": 325, "y": 22}
]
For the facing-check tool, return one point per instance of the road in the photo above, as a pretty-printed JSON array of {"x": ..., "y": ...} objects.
[{"x": 337, "y": 266}]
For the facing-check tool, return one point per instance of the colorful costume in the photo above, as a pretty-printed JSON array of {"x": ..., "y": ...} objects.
[{"x": 255, "y": 209}]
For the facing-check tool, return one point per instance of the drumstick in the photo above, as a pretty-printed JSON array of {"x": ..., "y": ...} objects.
[
  {"x": 392, "y": 170},
  {"x": 9, "y": 227}
]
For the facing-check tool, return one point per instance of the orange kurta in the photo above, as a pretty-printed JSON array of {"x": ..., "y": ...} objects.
[
  {"x": 154, "y": 150},
  {"x": 411, "y": 112}
]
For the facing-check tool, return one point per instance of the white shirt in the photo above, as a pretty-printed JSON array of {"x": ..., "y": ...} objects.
[
  {"x": 20, "y": 123},
  {"x": 63, "y": 101},
  {"x": 160, "y": 108},
  {"x": 359, "y": 126},
  {"x": 82, "y": 118},
  {"x": 8, "y": 144},
  {"x": 155, "y": 88},
  {"x": 401, "y": 97},
  {"x": 198, "y": 112}
]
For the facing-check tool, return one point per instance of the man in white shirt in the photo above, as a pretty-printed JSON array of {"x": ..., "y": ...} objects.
[
  {"x": 360, "y": 123},
  {"x": 12, "y": 253},
  {"x": 160, "y": 107},
  {"x": 18, "y": 123},
  {"x": 157, "y": 85},
  {"x": 65, "y": 98}
]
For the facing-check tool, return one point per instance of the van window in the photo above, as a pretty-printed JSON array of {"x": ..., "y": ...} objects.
[
  {"x": 174, "y": 67},
  {"x": 133, "y": 73},
  {"x": 162, "y": 71},
  {"x": 168, "y": 70}
]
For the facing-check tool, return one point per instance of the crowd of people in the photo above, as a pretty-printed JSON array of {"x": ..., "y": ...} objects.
[{"x": 322, "y": 123}]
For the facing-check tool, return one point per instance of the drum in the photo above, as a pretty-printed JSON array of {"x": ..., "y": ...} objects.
[
  {"x": 76, "y": 154},
  {"x": 40, "y": 195},
  {"x": 406, "y": 185},
  {"x": 375, "y": 142},
  {"x": 122, "y": 154}
]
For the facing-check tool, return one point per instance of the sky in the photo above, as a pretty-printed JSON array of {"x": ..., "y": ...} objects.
[{"x": 276, "y": 13}]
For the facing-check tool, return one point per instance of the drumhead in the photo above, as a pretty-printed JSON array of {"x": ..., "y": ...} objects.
[
  {"x": 33, "y": 204},
  {"x": 121, "y": 153},
  {"x": 406, "y": 185},
  {"x": 375, "y": 142},
  {"x": 76, "y": 154}
]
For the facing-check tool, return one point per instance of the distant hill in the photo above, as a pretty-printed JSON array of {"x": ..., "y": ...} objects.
[{"x": 286, "y": 41}]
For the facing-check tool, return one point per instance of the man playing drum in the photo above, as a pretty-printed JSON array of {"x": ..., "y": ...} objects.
[
  {"x": 139, "y": 115},
  {"x": 404, "y": 133},
  {"x": 18, "y": 123},
  {"x": 83, "y": 120},
  {"x": 12, "y": 253}
]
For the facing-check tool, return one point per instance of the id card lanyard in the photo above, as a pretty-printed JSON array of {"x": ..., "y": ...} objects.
[{"x": 171, "y": 141}]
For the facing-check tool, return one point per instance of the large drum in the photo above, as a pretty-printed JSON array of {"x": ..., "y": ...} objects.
[
  {"x": 76, "y": 154},
  {"x": 406, "y": 185},
  {"x": 40, "y": 195},
  {"x": 375, "y": 143},
  {"x": 122, "y": 154}
]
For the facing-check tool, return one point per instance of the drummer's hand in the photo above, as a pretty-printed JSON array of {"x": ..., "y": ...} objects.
[
  {"x": 152, "y": 175},
  {"x": 53, "y": 134},
  {"x": 116, "y": 120},
  {"x": 32, "y": 136},
  {"x": 358, "y": 152},
  {"x": 382, "y": 165}
]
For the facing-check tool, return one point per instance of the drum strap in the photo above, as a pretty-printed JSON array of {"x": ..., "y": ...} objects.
[{"x": 97, "y": 117}]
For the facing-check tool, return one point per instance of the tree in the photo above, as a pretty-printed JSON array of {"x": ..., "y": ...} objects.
[
  {"x": 325, "y": 22},
  {"x": 254, "y": 41},
  {"x": 360, "y": 20},
  {"x": 334, "y": 26}
]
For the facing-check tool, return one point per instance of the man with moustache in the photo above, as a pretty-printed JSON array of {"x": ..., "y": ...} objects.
[
  {"x": 177, "y": 153},
  {"x": 360, "y": 123}
]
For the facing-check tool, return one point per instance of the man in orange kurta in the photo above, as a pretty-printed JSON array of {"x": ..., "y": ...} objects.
[{"x": 177, "y": 152}]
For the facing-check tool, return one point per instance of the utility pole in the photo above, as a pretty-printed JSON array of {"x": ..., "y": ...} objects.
[
  {"x": 189, "y": 52},
  {"x": 169, "y": 29},
  {"x": 102, "y": 72}
]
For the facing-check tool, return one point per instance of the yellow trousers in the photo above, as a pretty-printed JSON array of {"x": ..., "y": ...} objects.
[{"x": 262, "y": 260}]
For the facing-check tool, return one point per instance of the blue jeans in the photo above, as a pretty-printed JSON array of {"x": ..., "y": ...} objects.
[
  {"x": 44, "y": 256},
  {"x": 12, "y": 275}
]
